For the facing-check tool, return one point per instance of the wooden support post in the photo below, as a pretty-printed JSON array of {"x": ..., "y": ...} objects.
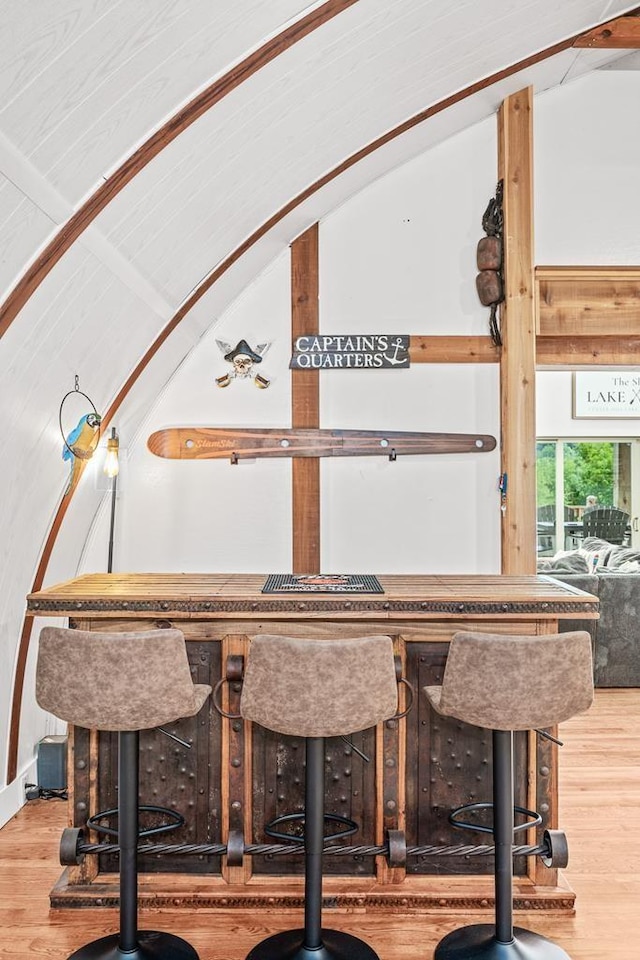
[
  {"x": 305, "y": 405},
  {"x": 518, "y": 360},
  {"x": 236, "y": 797}
]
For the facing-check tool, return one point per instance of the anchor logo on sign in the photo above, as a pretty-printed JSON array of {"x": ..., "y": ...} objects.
[{"x": 394, "y": 360}]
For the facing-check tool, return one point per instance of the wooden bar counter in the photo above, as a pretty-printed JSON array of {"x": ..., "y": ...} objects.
[{"x": 235, "y": 778}]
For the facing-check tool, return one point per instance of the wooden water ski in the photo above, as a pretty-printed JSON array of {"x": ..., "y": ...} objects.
[{"x": 206, "y": 443}]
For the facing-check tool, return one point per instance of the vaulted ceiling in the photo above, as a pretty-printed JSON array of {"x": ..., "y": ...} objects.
[{"x": 155, "y": 156}]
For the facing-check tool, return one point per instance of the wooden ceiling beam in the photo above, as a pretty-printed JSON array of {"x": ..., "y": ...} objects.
[
  {"x": 623, "y": 33},
  {"x": 588, "y": 301}
]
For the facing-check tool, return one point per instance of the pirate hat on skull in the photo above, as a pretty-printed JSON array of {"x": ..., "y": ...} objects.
[{"x": 242, "y": 347}]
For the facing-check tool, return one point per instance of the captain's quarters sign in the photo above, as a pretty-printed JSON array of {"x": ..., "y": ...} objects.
[
  {"x": 606, "y": 394},
  {"x": 362, "y": 351}
]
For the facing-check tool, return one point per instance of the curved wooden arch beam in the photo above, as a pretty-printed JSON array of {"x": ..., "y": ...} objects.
[
  {"x": 176, "y": 125},
  {"x": 72, "y": 230}
]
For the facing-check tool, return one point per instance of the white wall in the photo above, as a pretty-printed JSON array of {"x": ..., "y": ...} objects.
[
  {"x": 586, "y": 163},
  {"x": 399, "y": 258},
  {"x": 210, "y": 515},
  {"x": 587, "y": 211}
]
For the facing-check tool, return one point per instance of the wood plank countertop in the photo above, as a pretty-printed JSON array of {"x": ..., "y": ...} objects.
[{"x": 219, "y": 595}]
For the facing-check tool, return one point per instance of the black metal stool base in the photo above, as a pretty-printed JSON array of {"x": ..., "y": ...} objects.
[
  {"x": 478, "y": 942},
  {"x": 151, "y": 945},
  {"x": 289, "y": 945}
]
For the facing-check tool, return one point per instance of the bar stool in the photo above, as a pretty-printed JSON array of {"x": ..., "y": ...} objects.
[
  {"x": 316, "y": 689},
  {"x": 507, "y": 683},
  {"x": 124, "y": 682}
]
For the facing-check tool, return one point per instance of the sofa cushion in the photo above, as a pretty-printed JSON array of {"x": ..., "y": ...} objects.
[
  {"x": 616, "y": 634},
  {"x": 617, "y": 661}
]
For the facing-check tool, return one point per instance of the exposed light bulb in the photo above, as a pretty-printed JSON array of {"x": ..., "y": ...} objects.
[{"x": 112, "y": 463}]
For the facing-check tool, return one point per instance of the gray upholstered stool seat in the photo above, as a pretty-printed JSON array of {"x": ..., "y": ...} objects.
[
  {"x": 506, "y": 683},
  {"x": 116, "y": 681},
  {"x": 316, "y": 689},
  {"x": 121, "y": 682},
  {"x": 319, "y": 688}
]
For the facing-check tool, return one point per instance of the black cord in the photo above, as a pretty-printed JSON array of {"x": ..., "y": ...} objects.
[
  {"x": 34, "y": 792},
  {"x": 494, "y": 329}
]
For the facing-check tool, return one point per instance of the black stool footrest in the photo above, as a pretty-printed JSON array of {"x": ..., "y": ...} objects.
[
  {"x": 349, "y": 827},
  {"x": 533, "y": 818},
  {"x": 175, "y": 819}
]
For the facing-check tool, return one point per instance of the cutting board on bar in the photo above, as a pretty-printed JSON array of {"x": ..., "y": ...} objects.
[{"x": 206, "y": 443}]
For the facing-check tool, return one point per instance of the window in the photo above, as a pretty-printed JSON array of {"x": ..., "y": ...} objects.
[{"x": 573, "y": 475}]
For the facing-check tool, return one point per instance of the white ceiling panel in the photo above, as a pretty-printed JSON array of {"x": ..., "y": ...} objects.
[
  {"x": 37, "y": 33},
  {"x": 24, "y": 228},
  {"x": 300, "y": 116},
  {"x": 82, "y": 103}
]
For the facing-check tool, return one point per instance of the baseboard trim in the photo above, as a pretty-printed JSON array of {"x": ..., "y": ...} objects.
[{"x": 12, "y": 797}]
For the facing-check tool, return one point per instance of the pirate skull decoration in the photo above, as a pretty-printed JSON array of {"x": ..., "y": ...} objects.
[{"x": 242, "y": 358}]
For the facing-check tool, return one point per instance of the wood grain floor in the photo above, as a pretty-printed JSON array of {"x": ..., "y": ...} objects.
[{"x": 600, "y": 811}]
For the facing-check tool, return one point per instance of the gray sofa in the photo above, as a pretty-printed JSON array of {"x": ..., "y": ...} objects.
[{"x": 616, "y": 635}]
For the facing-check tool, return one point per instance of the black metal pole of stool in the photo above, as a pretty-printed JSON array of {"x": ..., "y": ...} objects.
[
  {"x": 501, "y": 941},
  {"x": 314, "y": 942},
  {"x": 131, "y": 943}
]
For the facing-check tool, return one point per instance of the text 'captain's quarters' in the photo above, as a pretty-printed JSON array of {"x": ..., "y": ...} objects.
[{"x": 320, "y": 401}]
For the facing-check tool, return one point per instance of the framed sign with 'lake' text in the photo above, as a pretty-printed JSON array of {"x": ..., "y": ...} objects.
[{"x": 606, "y": 394}]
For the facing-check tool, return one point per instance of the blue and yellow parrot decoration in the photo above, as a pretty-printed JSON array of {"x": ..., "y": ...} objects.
[{"x": 81, "y": 444}]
